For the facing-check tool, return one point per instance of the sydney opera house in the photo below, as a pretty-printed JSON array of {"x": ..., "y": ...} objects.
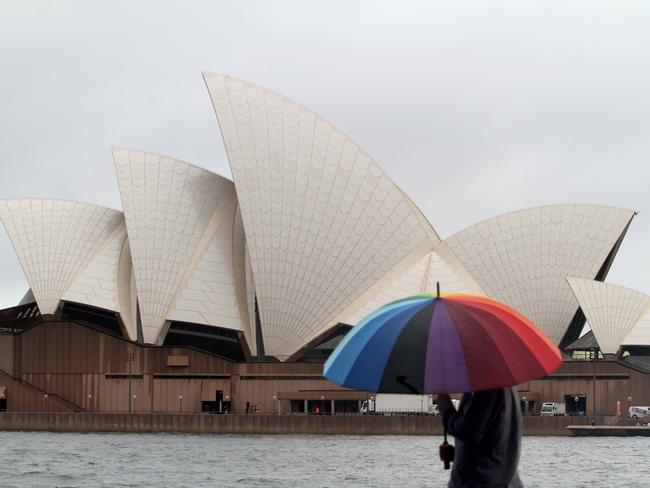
[{"x": 203, "y": 293}]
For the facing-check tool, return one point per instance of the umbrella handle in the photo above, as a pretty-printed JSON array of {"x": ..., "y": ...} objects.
[{"x": 446, "y": 450}]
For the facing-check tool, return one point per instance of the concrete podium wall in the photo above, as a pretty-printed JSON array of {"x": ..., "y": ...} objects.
[{"x": 260, "y": 424}]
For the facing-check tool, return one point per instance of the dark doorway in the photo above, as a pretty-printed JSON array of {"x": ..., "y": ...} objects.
[
  {"x": 346, "y": 406},
  {"x": 3, "y": 404},
  {"x": 576, "y": 404},
  {"x": 218, "y": 405},
  {"x": 297, "y": 406},
  {"x": 218, "y": 397},
  {"x": 209, "y": 406}
]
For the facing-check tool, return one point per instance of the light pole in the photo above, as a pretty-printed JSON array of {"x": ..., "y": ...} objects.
[
  {"x": 180, "y": 404},
  {"x": 593, "y": 400},
  {"x": 371, "y": 402},
  {"x": 322, "y": 404},
  {"x": 525, "y": 405},
  {"x": 134, "y": 397},
  {"x": 90, "y": 403},
  {"x": 228, "y": 408},
  {"x": 129, "y": 360},
  {"x": 575, "y": 406},
  {"x": 275, "y": 398},
  {"x": 629, "y": 405}
]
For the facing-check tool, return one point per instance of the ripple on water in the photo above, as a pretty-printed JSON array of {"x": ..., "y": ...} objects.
[{"x": 46, "y": 459}]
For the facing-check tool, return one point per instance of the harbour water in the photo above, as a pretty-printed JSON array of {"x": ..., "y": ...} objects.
[{"x": 44, "y": 459}]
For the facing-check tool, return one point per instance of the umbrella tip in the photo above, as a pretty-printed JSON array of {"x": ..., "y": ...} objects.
[{"x": 438, "y": 288}]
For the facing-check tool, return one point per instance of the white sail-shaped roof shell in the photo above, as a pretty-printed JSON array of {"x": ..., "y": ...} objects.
[
  {"x": 244, "y": 285},
  {"x": 423, "y": 277},
  {"x": 56, "y": 241},
  {"x": 323, "y": 222},
  {"x": 127, "y": 293},
  {"x": 522, "y": 258},
  {"x": 640, "y": 333},
  {"x": 97, "y": 284},
  {"x": 208, "y": 295},
  {"x": 177, "y": 216},
  {"x": 611, "y": 310}
]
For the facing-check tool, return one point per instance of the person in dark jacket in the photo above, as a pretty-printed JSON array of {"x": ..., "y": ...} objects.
[{"x": 487, "y": 429}]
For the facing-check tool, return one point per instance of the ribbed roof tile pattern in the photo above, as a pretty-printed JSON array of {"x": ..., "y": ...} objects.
[
  {"x": 250, "y": 301},
  {"x": 209, "y": 296},
  {"x": 323, "y": 221},
  {"x": 522, "y": 258},
  {"x": 168, "y": 205},
  {"x": 640, "y": 333},
  {"x": 126, "y": 292},
  {"x": 97, "y": 284},
  {"x": 391, "y": 287},
  {"x": 55, "y": 240},
  {"x": 420, "y": 278},
  {"x": 612, "y": 311},
  {"x": 242, "y": 278}
]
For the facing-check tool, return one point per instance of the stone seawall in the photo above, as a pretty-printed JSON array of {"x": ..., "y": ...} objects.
[{"x": 259, "y": 424}]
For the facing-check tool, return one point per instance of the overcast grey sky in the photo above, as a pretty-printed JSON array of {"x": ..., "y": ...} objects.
[{"x": 474, "y": 108}]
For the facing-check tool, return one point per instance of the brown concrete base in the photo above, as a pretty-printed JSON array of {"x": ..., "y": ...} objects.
[
  {"x": 557, "y": 426},
  {"x": 257, "y": 424},
  {"x": 225, "y": 424}
]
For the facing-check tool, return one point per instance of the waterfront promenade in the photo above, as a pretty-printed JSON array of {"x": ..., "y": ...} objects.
[{"x": 262, "y": 424}]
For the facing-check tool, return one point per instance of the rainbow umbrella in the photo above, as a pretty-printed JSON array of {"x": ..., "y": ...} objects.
[{"x": 441, "y": 344}]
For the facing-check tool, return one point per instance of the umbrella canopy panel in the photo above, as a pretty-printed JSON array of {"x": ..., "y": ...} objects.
[{"x": 426, "y": 344}]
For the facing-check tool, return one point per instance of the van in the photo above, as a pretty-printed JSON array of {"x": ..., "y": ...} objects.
[{"x": 639, "y": 412}]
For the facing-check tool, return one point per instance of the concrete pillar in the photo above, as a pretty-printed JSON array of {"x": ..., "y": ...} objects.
[
  {"x": 306, "y": 411},
  {"x": 332, "y": 403}
]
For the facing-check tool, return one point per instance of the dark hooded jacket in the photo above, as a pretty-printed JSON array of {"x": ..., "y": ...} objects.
[{"x": 487, "y": 429}]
